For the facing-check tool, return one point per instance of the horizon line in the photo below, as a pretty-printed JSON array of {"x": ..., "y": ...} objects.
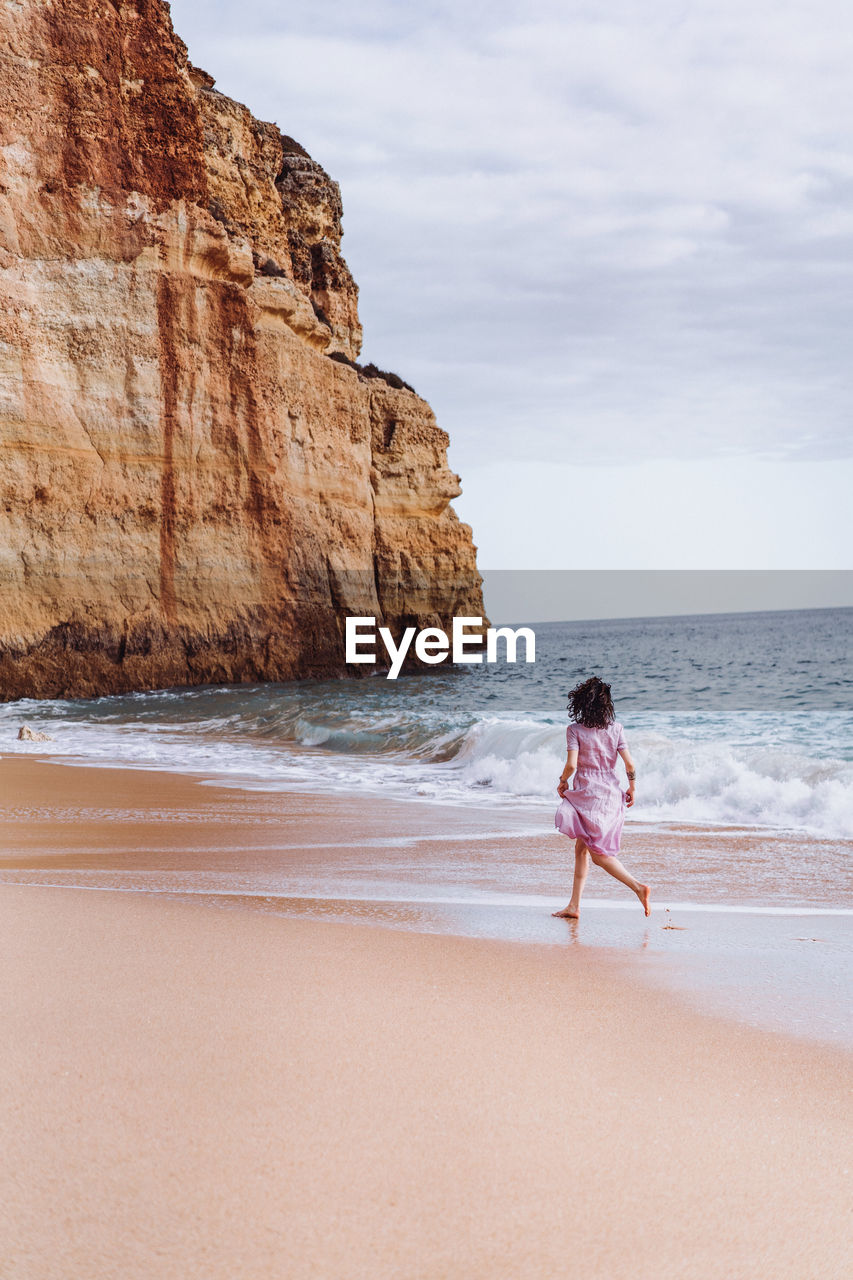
[{"x": 651, "y": 617}]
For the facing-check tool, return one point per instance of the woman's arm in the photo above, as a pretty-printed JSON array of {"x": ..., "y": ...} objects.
[
  {"x": 631, "y": 772},
  {"x": 568, "y": 769}
]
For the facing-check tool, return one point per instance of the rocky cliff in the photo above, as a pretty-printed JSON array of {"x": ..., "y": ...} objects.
[{"x": 197, "y": 480}]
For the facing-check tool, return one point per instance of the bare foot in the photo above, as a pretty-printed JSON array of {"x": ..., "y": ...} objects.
[
  {"x": 644, "y": 893},
  {"x": 568, "y": 914}
]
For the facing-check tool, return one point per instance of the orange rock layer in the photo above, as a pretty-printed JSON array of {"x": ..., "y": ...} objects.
[{"x": 198, "y": 482}]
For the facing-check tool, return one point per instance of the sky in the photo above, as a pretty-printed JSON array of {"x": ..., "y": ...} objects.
[{"x": 610, "y": 243}]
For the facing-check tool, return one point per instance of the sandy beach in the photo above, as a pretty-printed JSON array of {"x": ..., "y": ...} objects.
[
  {"x": 198, "y": 1092},
  {"x": 288, "y": 990}
]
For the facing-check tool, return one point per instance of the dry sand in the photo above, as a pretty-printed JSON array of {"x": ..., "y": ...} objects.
[
  {"x": 198, "y": 1093},
  {"x": 189, "y": 1092}
]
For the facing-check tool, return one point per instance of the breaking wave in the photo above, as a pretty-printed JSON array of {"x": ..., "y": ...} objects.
[{"x": 729, "y": 769}]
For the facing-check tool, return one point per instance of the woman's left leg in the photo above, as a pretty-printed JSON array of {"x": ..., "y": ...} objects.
[
  {"x": 615, "y": 869},
  {"x": 572, "y": 911}
]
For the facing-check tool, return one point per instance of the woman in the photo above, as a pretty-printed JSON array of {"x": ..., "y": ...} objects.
[{"x": 594, "y": 810}]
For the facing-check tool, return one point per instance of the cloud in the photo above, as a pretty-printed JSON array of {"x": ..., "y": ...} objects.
[{"x": 611, "y": 231}]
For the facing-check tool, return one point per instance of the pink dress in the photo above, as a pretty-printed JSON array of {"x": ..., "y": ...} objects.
[{"x": 595, "y": 807}]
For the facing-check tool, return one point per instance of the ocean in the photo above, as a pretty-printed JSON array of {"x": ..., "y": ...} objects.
[{"x": 738, "y": 720}]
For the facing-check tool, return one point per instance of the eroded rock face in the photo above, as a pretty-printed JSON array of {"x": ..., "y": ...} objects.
[{"x": 191, "y": 489}]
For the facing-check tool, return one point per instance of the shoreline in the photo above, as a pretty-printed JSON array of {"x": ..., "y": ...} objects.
[
  {"x": 503, "y": 806},
  {"x": 425, "y": 869},
  {"x": 523, "y": 813},
  {"x": 234, "y": 1094}
]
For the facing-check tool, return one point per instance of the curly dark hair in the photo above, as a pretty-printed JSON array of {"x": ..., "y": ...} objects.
[{"x": 590, "y": 704}]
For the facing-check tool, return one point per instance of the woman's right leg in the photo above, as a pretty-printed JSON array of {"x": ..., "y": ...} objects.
[{"x": 572, "y": 911}]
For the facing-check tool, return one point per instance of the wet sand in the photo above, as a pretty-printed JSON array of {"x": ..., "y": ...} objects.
[
  {"x": 59, "y": 816},
  {"x": 482, "y": 872}
]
